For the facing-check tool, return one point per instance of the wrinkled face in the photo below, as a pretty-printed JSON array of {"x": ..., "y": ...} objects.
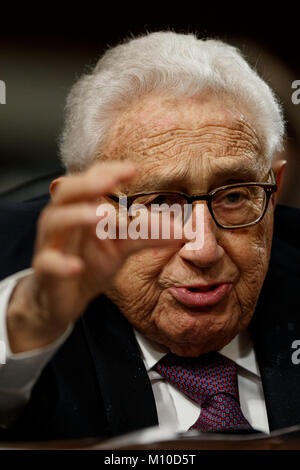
[{"x": 193, "y": 146}]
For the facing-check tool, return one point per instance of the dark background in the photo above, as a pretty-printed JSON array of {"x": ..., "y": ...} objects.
[{"x": 43, "y": 50}]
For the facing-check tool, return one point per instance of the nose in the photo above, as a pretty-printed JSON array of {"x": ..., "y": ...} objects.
[{"x": 208, "y": 252}]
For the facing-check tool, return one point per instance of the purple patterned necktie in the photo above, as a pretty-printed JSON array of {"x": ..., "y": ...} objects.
[{"x": 211, "y": 381}]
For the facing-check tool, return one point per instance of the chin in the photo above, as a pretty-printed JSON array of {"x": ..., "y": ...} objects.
[
  {"x": 195, "y": 349},
  {"x": 189, "y": 343},
  {"x": 187, "y": 351},
  {"x": 195, "y": 337}
]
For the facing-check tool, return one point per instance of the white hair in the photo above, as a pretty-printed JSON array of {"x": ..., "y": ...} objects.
[{"x": 178, "y": 64}]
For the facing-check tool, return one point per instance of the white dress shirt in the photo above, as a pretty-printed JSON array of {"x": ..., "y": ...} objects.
[{"x": 22, "y": 370}]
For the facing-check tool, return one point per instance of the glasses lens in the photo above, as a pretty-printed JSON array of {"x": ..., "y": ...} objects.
[
  {"x": 239, "y": 206},
  {"x": 165, "y": 213},
  {"x": 162, "y": 203}
]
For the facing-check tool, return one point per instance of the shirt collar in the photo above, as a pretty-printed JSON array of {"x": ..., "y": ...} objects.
[
  {"x": 151, "y": 352},
  {"x": 240, "y": 350}
]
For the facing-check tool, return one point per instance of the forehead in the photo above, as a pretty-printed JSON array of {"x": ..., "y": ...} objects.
[{"x": 178, "y": 137}]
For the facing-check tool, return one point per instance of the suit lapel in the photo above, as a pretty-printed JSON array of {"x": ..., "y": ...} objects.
[
  {"x": 123, "y": 380},
  {"x": 275, "y": 326}
]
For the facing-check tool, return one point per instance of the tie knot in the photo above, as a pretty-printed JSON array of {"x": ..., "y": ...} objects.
[{"x": 200, "y": 378}]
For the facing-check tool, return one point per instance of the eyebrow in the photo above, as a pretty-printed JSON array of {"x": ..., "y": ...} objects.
[
  {"x": 220, "y": 177},
  {"x": 242, "y": 173}
]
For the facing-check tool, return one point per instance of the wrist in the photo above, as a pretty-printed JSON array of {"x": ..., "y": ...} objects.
[{"x": 28, "y": 327}]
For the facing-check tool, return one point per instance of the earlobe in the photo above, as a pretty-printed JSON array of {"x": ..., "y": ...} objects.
[
  {"x": 278, "y": 168},
  {"x": 53, "y": 187}
]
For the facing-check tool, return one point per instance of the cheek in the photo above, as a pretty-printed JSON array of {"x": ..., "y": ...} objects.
[
  {"x": 136, "y": 285},
  {"x": 146, "y": 265},
  {"x": 250, "y": 247},
  {"x": 250, "y": 250}
]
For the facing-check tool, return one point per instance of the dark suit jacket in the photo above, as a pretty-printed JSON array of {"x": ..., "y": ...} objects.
[{"x": 97, "y": 385}]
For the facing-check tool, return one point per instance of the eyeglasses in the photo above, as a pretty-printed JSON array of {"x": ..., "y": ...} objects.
[{"x": 232, "y": 206}]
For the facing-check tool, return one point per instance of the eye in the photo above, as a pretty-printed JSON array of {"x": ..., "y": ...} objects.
[{"x": 232, "y": 198}]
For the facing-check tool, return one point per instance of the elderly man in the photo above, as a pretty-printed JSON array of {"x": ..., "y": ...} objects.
[{"x": 106, "y": 336}]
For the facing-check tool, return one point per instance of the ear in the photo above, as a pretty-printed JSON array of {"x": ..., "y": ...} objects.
[
  {"x": 278, "y": 168},
  {"x": 54, "y": 185}
]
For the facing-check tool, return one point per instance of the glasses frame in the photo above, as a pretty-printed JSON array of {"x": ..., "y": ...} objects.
[{"x": 269, "y": 189}]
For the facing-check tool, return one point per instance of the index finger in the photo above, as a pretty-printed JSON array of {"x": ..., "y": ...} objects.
[{"x": 97, "y": 181}]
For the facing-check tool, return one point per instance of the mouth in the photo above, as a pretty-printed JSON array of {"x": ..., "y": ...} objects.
[{"x": 202, "y": 295}]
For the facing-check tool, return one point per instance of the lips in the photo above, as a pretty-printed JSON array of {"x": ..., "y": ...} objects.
[{"x": 202, "y": 295}]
